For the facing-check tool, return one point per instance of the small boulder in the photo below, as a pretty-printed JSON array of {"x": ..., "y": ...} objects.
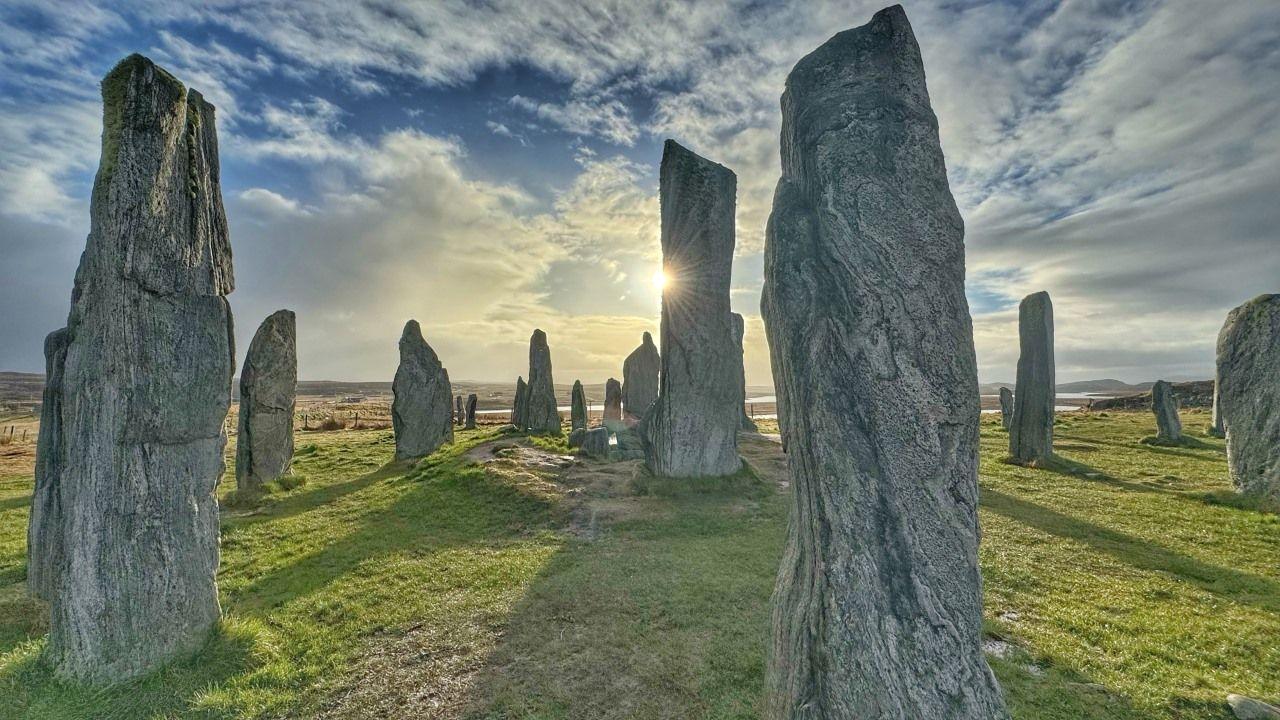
[{"x": 1246, "y": 708}]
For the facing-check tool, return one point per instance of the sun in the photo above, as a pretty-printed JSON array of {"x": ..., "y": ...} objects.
[{"x": 659, "y": 279}]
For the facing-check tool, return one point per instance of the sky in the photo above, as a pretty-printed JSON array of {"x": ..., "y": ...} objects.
[{"x": 491, "y": 167}]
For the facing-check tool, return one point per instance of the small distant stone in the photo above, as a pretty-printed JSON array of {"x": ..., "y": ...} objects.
[{"x": 1246, "y": 708}]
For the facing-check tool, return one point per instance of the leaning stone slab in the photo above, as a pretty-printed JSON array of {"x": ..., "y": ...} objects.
[
  {"x": 1031, "y": 430},
  {"x": 1006, "y": 407},
  {"x": 692, "y": 428},
  {"x": 1249, "y": 395},
  {"x": 578, "y": 407},
  {"x": 542, "y": 413},
  {"x": 472, "y": 400},
  {"x": 640, "y": 379},
  {"x": 268, "y": 390},
  {"x": 519, "y": 410},
  {"x": 141, "y": 391},
  {"x": 1165, "y": 407},
  {"x": 422, "y": 410},
  {"x": 877, "y": 612}
]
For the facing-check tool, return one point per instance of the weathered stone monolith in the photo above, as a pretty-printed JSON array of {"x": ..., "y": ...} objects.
[
  {"x": 542, "y": 414},
  {"x": 613, "y": 403},
  {"x": 472, "y": 400},
  {"x": 1216, "y": 428},
  {"x": 44, "y": 540},
  {"x": 1249, "y": 381},
  {"x": 1163, "y": 404},
  {"x": 739, "y": 331},
  {"x": 640, "y": 379},
  {"x": 519, "y": 408},
  {"x": 877, "y": 611},
  {"x": 578, "y": 407},
  {"x": 422, "y": 410},
  {"x": 595, "y": 442},
  {"x": 459, "y": 414},
  {"x": 141, "y": 390},
  {"x": 692, "y": 428},
  {"x": 1006, "y": 407},
  {"x": 268, "y": 389},
  {"x": 1031, "y": 430}
]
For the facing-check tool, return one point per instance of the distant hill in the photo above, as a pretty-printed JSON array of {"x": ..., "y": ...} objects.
[{"x": 1106, "y": 385}]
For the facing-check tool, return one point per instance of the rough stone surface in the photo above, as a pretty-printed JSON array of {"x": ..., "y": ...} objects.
[
  {"x": 141, "y": 390},
  {"x": 1006, "y": 407},
  {"x": 1249, "y": 379},
  {"x": 268, "y": 390},
  {"x": 459, "y": 415},
  {"x": 877, "y": 611},
  {"x": 44, "y": 542},
  {"x": 1031, "y": 430},
  {"x": 422, "y": 410},
  {"x": 1246, "y": 708},
  {"x": 1168, "y": 426},
  {"x": 630, "y": 444},
  {"x": 640, "y": 379},
  {"x": 578, "y": 407},
  {"x": 692, "y": 428},
  {"x": 576, "y": 437},
  {"x": 1216, "y": 429},
  {"x": 519, "y": 410},
  {"x": 612, "y": 403},
  {"x": 739, "y": 331},
  {"x": 472, "y": 400},
  {"x": 595, "y": 442},
  {"x": 542, "y": 414}
]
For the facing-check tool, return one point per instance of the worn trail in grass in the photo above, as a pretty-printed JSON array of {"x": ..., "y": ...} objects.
[{"x": 1126, "y": 582}]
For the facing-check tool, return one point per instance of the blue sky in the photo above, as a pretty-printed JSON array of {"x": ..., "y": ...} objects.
[{"x": 491, "y": 167}]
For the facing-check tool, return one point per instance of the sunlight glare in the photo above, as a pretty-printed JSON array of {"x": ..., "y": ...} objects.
[{"x": 659, "y": 279}]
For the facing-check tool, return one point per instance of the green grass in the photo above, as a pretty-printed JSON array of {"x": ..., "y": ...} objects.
[{"x": 1123, "y": 581}]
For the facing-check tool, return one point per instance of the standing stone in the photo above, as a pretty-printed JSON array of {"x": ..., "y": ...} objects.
[
  {"x": 44, "y": 542},
  {"x": 422, "y": 409},
  {"x": 519, "y": 410},
  {"x": 1249, "y": 381},
  {"x": 1031, "y": 430},
  {"x": 268, "y": 388},
  {"x": 1168, "y": 426},
  {"x": 471, "y": 411},
  {"x": 578, "y": 407},
  {"x": 1006, "y": 407},
  {"x": 595, "y": 442},
  {"x": 640, "y": 379},
  {"x": 1216, "y": 429},
  {"x": 692, "y": 428},
  {"x": 739, "y": 330},
  {"x": 459, "y": 413},
  {"x": 140, "y": 381},
  {"x": 613, "y": 403},
  {"x": 543, "y": 416},
  {"x": 877, "y": 612}
]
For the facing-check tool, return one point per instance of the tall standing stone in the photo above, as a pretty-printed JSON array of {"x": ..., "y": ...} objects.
[
  {"x": 422, "y": 408},
  {"x": 543, "y": 416},
  {"x": 141, "y": 390},
  {"x": 1249, "y": 382},
  {"x": 1163, "y": 404},
  {"x": 692, "y": 428},
  {"x": 1006, "y": 407},
  {"x": 519, "y": 408},
  {"x": 739, "y": 331},
  {"x": 44, "y": 541},
  {"x": 459, "y": 413},
  {"x": 1031, "y": 430},
  {"x": 1217, "y": 429},
  {"x": 640, "y": 379},
  {"x": 472, "y": 400},
  {"x": 878, "y": 605},
  {"x": 613, "y": 403},
  {"x": 578, "y": 407},
  {"x": 268, "y": 390}
]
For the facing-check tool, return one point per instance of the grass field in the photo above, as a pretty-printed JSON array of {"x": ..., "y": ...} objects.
[{"x": 1126, "y": 582}]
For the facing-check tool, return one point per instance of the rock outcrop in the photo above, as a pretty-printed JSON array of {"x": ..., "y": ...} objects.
[
  {"x": 126, "y": 521},
  {"x": 1006, "y": 407},
  {"x": 578, "y": 407},
  {"x": 1249, "y": 381},
  {"x": 877, "y": 611},
  {"x": 739, "y": 331},
  {"x": 422, "y": 409},
  {"x": 541, "y": 413},
  {"x": 519, "y": 410},
  {"x": 268, "y": 393},
  {"x": 640, "y": 379},
  {"x": 692, "y": 428},
  {"x": 612, "y": 403},
  {"x": 472, "y": 400},
  {"x": 1031, "y": 430},
  {"x": 1168, "y": 426}
]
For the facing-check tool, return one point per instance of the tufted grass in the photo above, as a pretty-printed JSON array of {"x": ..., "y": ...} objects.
[{"x": 1126, "y": 581}]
